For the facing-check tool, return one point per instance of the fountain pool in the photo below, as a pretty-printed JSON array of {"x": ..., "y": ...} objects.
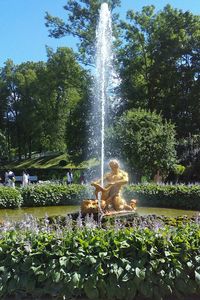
[{"x": 40, "y": 212}]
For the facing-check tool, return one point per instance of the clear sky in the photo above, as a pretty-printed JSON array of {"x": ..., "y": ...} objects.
[{"x": 23, "y": 34}]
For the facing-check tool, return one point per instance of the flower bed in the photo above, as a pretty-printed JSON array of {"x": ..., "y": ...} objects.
[{"x": 146, "y": 259}]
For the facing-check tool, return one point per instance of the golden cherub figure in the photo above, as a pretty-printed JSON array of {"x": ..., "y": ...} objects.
[{"x": 111, "y": 199}]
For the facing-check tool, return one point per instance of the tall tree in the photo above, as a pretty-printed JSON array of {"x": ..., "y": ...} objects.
[
  {"x": 3, "y": 147},
  {"x": 27, "y": 106},
  {"x": 62, "y": 80},
  {"x": 12, "y": 98},
  {"x": 160, "y": 64},
  {"x": 40, "y": 99},
  {"x": 81, "y": 23}
]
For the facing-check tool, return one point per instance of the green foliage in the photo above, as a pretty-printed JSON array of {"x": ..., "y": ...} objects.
[
  {"x": 146, "y": 142},
  {"x": 40, "y": 98},
  {"x": 10, "y": 197},
  {"x": 3, "y": 146},
  {"x": 168, "y": 196},
  {"x": 82, "y": 18},
  {"x": 171, "y": 196},
  {"x": 159, "y": 64},
  {"x": 126, "y": 264},
  {"x": 160, "y": 60},
  {"x": 54, "y": 194},
  {"x": 78, "y": 124},
  {"x": 178, "y": 169},
  {"x": 61, "y": 90}
]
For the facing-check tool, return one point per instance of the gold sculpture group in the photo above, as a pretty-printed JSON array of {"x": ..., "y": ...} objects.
[{"x": 111, "y": 199}]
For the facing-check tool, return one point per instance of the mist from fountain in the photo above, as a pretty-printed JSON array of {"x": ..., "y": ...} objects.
[
  {"x": 103, "y": 64},
  {"x": 105, "y": 81}
]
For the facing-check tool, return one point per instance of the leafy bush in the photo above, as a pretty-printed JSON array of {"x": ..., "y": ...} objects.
[
  {"x": 101, "y": 264},
  {"x": 10, "y": 198},
  {"x": 147, "y": 142},
  {"x": 54, "y": 194},
  {"x": 169, "y": 196},
  {"x": 152, "y": 195}
]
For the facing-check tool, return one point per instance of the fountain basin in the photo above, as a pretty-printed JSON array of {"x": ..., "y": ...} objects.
[{"x": 40, "y": 212}]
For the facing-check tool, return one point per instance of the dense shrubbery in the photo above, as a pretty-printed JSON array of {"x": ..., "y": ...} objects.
[
  {"x": 10, "y": 198},
  {"x": 113, "y": 263},
  {"x": 54, "y": 194},
  {"x": 171, "y": 196}
]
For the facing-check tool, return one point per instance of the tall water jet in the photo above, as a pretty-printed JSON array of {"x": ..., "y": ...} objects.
[
  {"x": 103, "y": 107},
  {"x": 103, "y": 71}
]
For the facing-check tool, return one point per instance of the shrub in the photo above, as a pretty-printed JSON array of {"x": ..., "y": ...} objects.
[
  {"x": 10, "y": 198},
  {"x": 152, "y": 195},
  {"x": 54, "y": 194},
  {"x": 147, "y": 142},
  {"x": 169, "y": 196},
  {"x": 101, "y": 264}
]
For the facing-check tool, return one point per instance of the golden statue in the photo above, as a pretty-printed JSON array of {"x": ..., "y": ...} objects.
[{"x": 111, "y": 199}]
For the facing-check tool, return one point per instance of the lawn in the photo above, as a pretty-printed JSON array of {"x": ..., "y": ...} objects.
[{"x": 49, "y": 162}]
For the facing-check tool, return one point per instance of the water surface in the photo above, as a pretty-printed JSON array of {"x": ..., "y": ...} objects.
[
  {"x": 40, "y": 212},
  {"x": 168, "y": 212}
]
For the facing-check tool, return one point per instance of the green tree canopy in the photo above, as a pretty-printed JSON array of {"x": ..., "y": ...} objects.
[
  {"x": 82, "y": 18},
  {"x": 39, "y": 99},
  {"x": 160, "y": 65},
  {"x": 62, "y": 82},
  {"x": 3, "y": 147},
  {"x": 147, "y": 143}
]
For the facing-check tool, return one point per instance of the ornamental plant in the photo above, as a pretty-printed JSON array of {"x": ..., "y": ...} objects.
[
  {"x": 10, "y": 198},
  {"x": 54, "y": 194},
  {"x": 169, "y": 196},
  {"x": 147, "y": 142},
  {"x": 116, "y": 262}
]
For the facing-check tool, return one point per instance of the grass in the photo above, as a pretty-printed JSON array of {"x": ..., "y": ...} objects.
[{"x": 49, "y": 162}]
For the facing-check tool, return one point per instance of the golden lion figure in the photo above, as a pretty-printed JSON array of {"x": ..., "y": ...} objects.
[{"x": 110, "y": 194}]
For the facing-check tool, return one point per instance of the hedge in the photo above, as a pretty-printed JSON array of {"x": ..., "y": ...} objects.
[
  {"x": 54, "y": 194},
  {"x": 113, "y": 264},
  {"x": 167, "y": 196},
  {"x": 10, "y": 198}
]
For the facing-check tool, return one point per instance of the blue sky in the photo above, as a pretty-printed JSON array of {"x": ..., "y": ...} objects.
[{"x": 23, "y": 34}]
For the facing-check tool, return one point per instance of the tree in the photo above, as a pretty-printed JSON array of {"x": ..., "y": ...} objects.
[
  {"x": 147, "y": 143},
  {"x": 21, "y": 114},
  {"x": 160, "y": 65},
  {"x": 77, "y": 129},
  {"x": 3, "y": 147},
  {"x": 39, "y": 100},
  {"x": 3, "y": 104},
  {"x": 61, "y": 90},
  {"x": 81, "y": 23},
  {"x": 26, "y": 108}
]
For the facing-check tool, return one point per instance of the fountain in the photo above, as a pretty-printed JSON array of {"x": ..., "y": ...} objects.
[
  {"x": 111, "y": 199},
  {"x": 108, "y": 198}
]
